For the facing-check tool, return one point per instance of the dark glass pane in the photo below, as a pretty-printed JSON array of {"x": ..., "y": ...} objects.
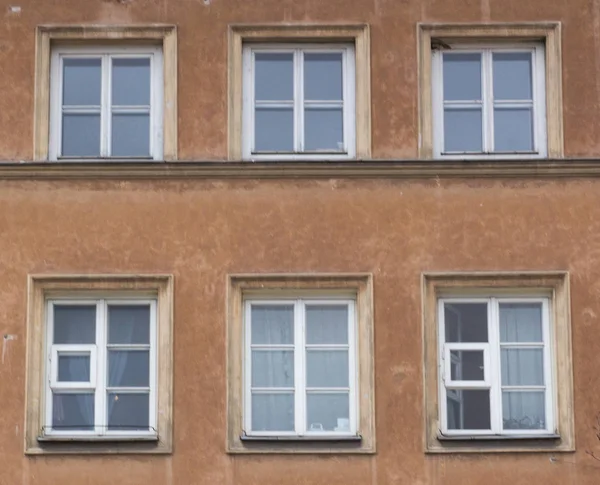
[
  {"x": 73, "y": 412},
  {"x": 74, "y": 324},
  {"x": 129, "y": 324},
  {"x": 466, "y": 322},
  {"x": 128, "y": 412}
]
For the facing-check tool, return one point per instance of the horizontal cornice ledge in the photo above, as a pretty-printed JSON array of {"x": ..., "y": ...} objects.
[{"x": 371, "y": 169}]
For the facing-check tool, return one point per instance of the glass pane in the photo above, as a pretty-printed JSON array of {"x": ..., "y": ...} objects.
[
  {"x": 462, "y": 130},
  {"x": 81, "y": 135},
  {"x": 466, "y": 322},
  {"x": 323, "y": 76},
  {"x": 512, "y": 75},
  {"x": 129, "y": 324},
  {"x": 127, "y": 412},
  {"x": 522, "y": 367},
  {"x": 328, "y": 412},
  {"x": 273, "y": 412},
  {"x": 274, "y": 130},
  {"x": 74, "y": 324},
  {"x": 327, "y": 368},
  {"x": 128, "y": 368},
  {"x": 82, "y": 80},
  {"x": 73, "y": 412},
  {"x": 523, "y": 410},
  {"x": 513, "y": 130},
  {"x": 462, "y": 77},
  {"x": 130, "y": 135},
  {"x": 323, "y": 129},
  {"x": 521, "y": 322},
  {"x": 73, "y": 368},
  {"x": 131, "y": 81},
  {"x": 272, "y": 324},
  {"x": 466, "y": 365},
  {"x": 272, "y": 368},
  {"x": 468, "y": 409},
  {"x": 274, "y": 76},
  {"x": 327, "y": 324}
]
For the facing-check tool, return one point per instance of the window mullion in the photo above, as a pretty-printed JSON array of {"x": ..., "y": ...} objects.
[
  {"x": 299, "y": 100},
  {"x": 549, "y": 380},
  {"x": 101, "y": 369},
  {"x": 105, "y": 117},
  {"x": 299, "y": 369},
  {"x": 488, "y": 101},
  {"x": 353, "y": 370},
  {"x": 495, "y": 374}
]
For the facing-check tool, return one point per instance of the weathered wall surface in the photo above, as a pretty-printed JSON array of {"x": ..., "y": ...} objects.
[
  {"x": 203, "y": 51},
  {"x": 201, "y": 230}
]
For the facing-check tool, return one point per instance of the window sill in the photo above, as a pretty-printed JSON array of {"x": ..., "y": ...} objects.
[
  {"x": 301, "y": 439},
  {"x": 97, "y": 439},
  {"x": 514, "y": 437}
]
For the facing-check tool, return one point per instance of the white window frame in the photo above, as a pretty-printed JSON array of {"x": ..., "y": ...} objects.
[
  {"x": 106, "y": 53},
  {"x": 492, "y": 379},
  {"x": 540, "y": 142},
  {"x": 349, "y": 101},
  {"x": 300, "y": 347},
  {"x": 99, "y": 369}
]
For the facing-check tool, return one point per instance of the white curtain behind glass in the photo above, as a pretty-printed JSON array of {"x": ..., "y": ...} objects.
[{"x": 522, "y": 368}]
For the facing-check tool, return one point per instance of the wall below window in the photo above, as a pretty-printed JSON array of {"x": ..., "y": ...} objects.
[{"x": 201, "y": 230}]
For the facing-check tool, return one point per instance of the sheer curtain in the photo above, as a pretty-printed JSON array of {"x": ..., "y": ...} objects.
[{"x": 522, "y": 367}]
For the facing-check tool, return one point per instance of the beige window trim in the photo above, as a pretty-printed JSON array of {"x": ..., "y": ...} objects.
[
  {"x": 547, "y": 32},
  {"x": 360, "y": 285},
  {"x": 357, "y": 34},
  {"x": 553, "y": 284},
  {"x": 43, "y": 287},
  {"x": 49, "y": 35}
]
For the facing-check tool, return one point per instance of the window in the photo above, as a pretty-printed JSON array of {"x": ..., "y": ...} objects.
[
  {"x": 106, "y": 92},
  {"x": 99, "y": 370},
  {"x": 496, "y": 366},
  {"x": 497, "y": 362},
  {"x": 106, "y": 103},
  {"x": 490, "y": 91},
  {"x": 299, "y": 101},
  {"x": 489, "y": 101},
  {"x": 300, "y": 375},
  {"x": 300, "y": 364},
  {"x": 299, "y": 92},
  {"x": 102, "y": 368}
]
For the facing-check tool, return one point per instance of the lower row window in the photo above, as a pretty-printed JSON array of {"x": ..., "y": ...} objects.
[
  {"x": 300, "y": 371},
  {"x": 496, "y": 367},
  {"x": 102, "y": 372}
]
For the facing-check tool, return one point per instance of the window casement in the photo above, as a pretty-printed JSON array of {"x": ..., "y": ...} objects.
[
  {"x": 498, "y": 362},
  {"x": 99, "y": 364},
  {"x": 496, "y": 367},
  {"x": 299, "y": 101},
  {"x": 101, "y": 372},
  {"x": 300, "y": 372},
  {"x": 489, "y": 100},
  {"x": 300, "y": 368},
  {"x": 106, "y": 102}
]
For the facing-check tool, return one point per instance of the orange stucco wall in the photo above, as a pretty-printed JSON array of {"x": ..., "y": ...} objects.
[{"x": 202, "y": 230}]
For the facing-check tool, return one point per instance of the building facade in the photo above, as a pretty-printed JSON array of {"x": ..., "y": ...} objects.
[{"x": 299, "y": 242}]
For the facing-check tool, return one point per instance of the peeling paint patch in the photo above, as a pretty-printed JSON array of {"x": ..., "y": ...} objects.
[{"x": 7, "y": 338}]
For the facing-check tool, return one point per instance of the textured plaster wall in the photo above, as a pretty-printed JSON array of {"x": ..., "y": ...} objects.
[
  {"x": 200, "y": 231},
  {"x": 202, "y": 60}
]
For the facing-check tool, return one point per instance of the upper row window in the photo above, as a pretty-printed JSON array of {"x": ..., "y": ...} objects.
[
  {"x": 106, "y": 103},
  {"x": 298, "y": 102},
  {"x": 489, "y": 101}
]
